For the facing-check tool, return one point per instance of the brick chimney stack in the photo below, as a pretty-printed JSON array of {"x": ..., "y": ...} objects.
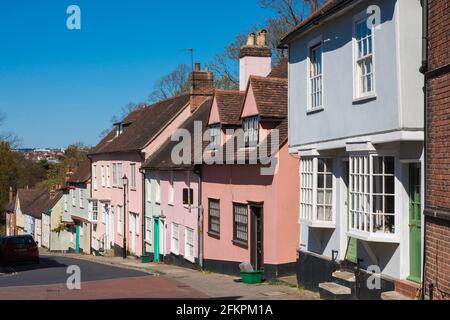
[
  {"x": 202, "y": 86},
  {"x": 255, "y": 58}
]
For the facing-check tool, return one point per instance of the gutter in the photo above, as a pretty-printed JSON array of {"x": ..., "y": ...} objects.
[
  {"x": 424, "y": 70},
  {"x": 197, "y": 171}
]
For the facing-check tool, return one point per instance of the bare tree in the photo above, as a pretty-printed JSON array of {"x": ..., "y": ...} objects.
[
  {"x": 9, "y": 137},
  {"x": 171, "y": 84},
  {"x": 292, "y": 12}
]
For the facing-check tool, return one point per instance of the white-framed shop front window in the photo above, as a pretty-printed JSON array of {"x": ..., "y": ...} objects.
[
  {"x": 317, "y": 192},
  {"x": 189, "y": 245},
  {"x": 175, "y": 241},
  {"x": 372, "y": 196}
]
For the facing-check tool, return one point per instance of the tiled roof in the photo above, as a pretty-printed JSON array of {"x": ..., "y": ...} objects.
[
  {"x": 36, "y": 201},
  {"x": 146, "y": 122},
  {"x": 329, "y": 8},
  {"x": 271, "y": 95},
  {"x": 229, "y": 103},
  {"x": 281, "y": 69},
  {"x": 162, "y": 159},
  {"x": 82, "y": 174}
]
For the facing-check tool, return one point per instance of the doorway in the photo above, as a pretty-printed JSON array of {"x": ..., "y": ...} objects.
[
  {"x": 257, "y": 237},
  {"x": 415, "y": 223},
  {"x": 156, "y": 248},
  {"x": 133, "y": 233}
]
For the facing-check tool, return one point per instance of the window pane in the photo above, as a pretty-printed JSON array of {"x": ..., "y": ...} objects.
[
  {"x": 389, "y": 204},
  {"x": 389, "y": 186}
]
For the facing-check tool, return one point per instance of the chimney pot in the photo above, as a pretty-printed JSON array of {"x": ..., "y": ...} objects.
[
  {"x": 197, "y": 67},
  {"x": 10, "y": 195},
  {"x": 251, "y": 40},
  {"x": 262, "y": 35}
]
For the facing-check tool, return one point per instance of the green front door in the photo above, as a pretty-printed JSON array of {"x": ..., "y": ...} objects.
[
  {"x": 156, "y": 251},
  {"x": 415, "y": 224},
  {"x": 77, "y": 238}
]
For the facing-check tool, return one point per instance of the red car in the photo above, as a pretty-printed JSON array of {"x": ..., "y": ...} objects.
[{"x": 17, "y": 249}]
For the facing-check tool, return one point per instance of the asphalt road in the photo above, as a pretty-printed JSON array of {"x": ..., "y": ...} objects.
[
  {"x": 47, "y": 281},
  {"x": 53, "y": 270}
]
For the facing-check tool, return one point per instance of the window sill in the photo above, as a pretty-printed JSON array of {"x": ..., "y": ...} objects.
[
  {"x": 373, "y": 237},
  {"x": 214, "y": 235},
  {"x": 313, "y": 111},
  {"x": 240, "y": 244},
  {"x": 364, "y": 99},
  {"x": 171, "y": 204},
  {"x": 318, "y": 224}
]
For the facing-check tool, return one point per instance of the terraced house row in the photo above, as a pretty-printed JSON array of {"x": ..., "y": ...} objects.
[{"x": 341, "y": 120}]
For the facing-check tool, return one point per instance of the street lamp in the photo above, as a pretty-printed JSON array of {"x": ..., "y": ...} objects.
[{"x": 125, "y": 184}]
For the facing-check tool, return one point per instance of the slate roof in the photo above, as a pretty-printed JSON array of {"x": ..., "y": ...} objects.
[
  {"x": 83, "y": 173},
  {"x": 146, "y": 122},
  {"x": 271, "y": 95},
  {"x": 162, "y": 159},
  {"x": 229, "y": 103},
  {"x": 330, "y": 7}
]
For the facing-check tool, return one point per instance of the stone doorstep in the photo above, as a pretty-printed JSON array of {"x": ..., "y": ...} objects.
[
  {"x": 345, "y": 276},
  {"x": 289, "y": 280},
  {"x": 394, "y": 295},
  {"x": 335, "y": 289},
  {"x": 407, "y": 288}
]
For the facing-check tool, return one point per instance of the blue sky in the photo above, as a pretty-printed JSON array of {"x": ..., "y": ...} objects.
[{"x": 59, "y": 86}]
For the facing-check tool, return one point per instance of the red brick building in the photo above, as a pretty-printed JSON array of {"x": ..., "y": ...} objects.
[{"x": 437, "y": 204}]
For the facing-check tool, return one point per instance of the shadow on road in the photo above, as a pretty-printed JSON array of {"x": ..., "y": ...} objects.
[{"x": 45, "y": 263}]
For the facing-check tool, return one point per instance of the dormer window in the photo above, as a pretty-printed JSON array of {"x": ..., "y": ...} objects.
[
  {"x": 215, "y": 136},
  {"x": 119, "y": 129},
  {"x": 251, "y": 131}
]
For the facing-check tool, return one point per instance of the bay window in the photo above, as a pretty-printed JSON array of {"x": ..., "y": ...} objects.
[
  {"x": 372, "y": 194},
  {"x": 316, "y": 194}
]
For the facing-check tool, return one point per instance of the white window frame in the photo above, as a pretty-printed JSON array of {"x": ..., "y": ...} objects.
[
  {"x": 94, "y": 177},
  {"x": 171, "y": 188},
  {"x": 81, "y": 197},
  {"x": 175, "y": 239},
  {"x": 102, "y": 176},
  {"x": 119, "y": 175},
  {"x": 133, "y": 176},
  {"x": 360, "y": 220},
  {"x": 188, "y": 245},
  {"x": 318, "y": 78},
  {"x": 74, "y": 197},
  {"x": 148, "y": 230},
  {"x": 308, "y": 193},
  {"x": 157, "y": 191},
  {"x": 215, "y": 132},
  {"x": 108, "y": 176},
  {"x": 66, "y": 202},
  {"x": 93, "y": 214},
  {"x": 119, "y": 220},
  {"x": 358, "y": 94},
  {"x": 114, "y": 183},
  {"x": 251, "y": 131}
]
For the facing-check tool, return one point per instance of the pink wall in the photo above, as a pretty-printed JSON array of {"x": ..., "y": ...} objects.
[
  {"x": 176, "y": 212},
  {"x": 243, "y": 184}
]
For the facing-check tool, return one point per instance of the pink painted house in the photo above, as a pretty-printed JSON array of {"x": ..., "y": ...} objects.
[
  {"x": 174, "y": 218},
  {"x": 116, "y": 206},
  {"x": 248, "y": 216}
]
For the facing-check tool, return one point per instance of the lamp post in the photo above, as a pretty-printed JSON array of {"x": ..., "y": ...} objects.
[{"x": 125, "y": 185}]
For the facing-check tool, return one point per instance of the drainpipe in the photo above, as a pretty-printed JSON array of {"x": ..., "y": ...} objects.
[
  {"x": 197, "y": 171},
  {"x": 424, "y": 69},
  {"x": 143, "y": 231}
]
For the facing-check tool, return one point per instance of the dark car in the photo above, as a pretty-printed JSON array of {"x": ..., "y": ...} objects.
[{"x": 18, "y": 249}]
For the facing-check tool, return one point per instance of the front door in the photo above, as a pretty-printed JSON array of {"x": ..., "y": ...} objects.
[
  {"x": 415, "y": 223},
  {"x": 107, "y": 226},
  {"x": 133, "y": 233},
  {"x": 156, "y": 251},
  {"x": 256, "y": 246},
  {"x": 77, "y": 238}
]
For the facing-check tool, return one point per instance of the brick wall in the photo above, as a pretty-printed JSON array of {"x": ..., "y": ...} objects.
[{"x": 437, "y": 220}]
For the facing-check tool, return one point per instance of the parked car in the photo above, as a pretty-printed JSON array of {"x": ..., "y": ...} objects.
[{"x": 17, "y": 249}]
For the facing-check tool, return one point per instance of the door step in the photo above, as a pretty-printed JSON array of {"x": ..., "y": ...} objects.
[
  {"x": 334, "y": 291},
  {"x": 408, "y": 288},
  {"x": 345, "y": 276},
  {"x": 394, "y": 295}
]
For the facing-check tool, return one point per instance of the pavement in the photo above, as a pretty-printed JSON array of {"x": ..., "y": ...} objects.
[{"x": 212, "y": 285}]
